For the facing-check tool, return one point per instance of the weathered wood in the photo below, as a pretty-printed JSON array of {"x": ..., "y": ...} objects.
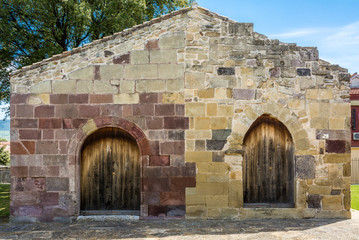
[
  {"x": 110, "y": 171},
  {"x": 268, "y": 166}
]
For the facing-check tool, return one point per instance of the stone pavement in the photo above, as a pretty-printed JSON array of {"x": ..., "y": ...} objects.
[{"x": 188, "y": 229}]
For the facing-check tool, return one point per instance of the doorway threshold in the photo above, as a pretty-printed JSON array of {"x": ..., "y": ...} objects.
[{"x": 109, "y": 215}]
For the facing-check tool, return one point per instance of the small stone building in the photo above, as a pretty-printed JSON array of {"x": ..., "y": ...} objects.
[{"x": 188, "y": 115}]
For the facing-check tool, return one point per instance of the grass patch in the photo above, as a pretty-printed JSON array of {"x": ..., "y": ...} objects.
[
  {"x": 4, "y": 200},
  {"x": 355, "y": 196}
]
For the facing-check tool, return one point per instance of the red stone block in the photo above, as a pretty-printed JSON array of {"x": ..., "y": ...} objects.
[
  {"x": 24, "y": 111},
  {"x": 155, "y": 161},
  {"x": 149, "y": 98},
  {"x": 78, "y": 122},
  {"x": 156, "y": 211},
  {"x": 165, "y": 109},
  {"x": 12, "y": 110},
  {"x": 124, "y": 124},
  {"x": 46, "y": 147},
  {"x": 189, "y": 169},
  {"x": 50, "y": 123},
  {"x": 171, "y": 172},
  {"x": 63, "y": 147},
  {"x": 106, "y": 121},
  {"x": 18, "y": 98},
  {"x": 25, "y": 198},
  {"x": 23, "y": 123},
  {"x": 179, "y": 148},
  {"x": 156, "y": 184},
  {"x": 30, "y": 211},
  {"x": 66, "y": 111},
  {"x": 114, "y": 110},
  {"x": 30, "y": 146},
  {"x": 172, "y": 198},
  {"x": 143, "y": 110},
  {"x": 154, "y": 122},
  {"x": 48, "y": 134},
  {"x": 336, "y": 146},
  {"x": 21, "y": 171},
  {"x": 151, "y": 198},
  {"x": 89, "y": 111},
  {"x": 45, "y": 111},
  {"x": 137, "y": 133},
  {"x": 150, "y": 172},
  {"x": 127, "y": 111},
  {"x": 101, "y": 98},
  {"x": 152, "y": 44},
  {"x": 59, "y": 99},
  {"x": 180, "y": 110},
  {"x": 44, "y": 171},
  {"x": 145, "y": 147},
  {"x": 78, "y": 98},
  {"x": 145, "y": 161},
  {"x": 30, "y": 134},
  {"x": 17, "y": 148},
  {"x": 35, "y": 184},
  {"x": 167, "y": 148},
  {"x": 49, "y": 198},
  {"x": 64, "y": 134},
  {"x": 67, "y": 123},
  {"x": 121, "y": 59},
  {"x": 154, "y": 148},
  {"x": 176, "y": 123},
  {"x": 179, "y": 184}
]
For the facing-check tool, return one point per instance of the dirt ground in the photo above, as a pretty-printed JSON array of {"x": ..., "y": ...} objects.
[{"x": 188, "y": 229}]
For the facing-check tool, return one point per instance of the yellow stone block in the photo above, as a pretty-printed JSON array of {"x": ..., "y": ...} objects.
[
  {"x": 235, "y": 194},
  {"x": 296, "y": 104},
  {"x": 229, "y": 213},
  {"x": 196, "y": 211},
  {"x": 237, "y": 175},
  {"x": 340, "y": 109},
  {"x": 199, "y": 156},
  {"x": 332, "y": 202},
  {"x": 311, "y": 94},
  {"x": 190, "y": 145},
  {"x": 199, "y": 134},
  {"x": 225, "y": 110},
  {"x": 201, "y": 177},
  {"x": 218, "y": 201},
  {"x": 218, "y": 178},
  {"x": 191, "y": 191},
  {"x": 333, "y": 171},
  {"x": 337, "y": 123},
  {"x": 195, "y": 80},
  {"x": 89, "y": 127},
  {"x": 218, "y": 123},
  {"x": 211, "y": 109},
  {"x": 213, "y": 168},
  {"x": 125, "y": 98},
  {"x": 195, "y": 199},
  {"x": 246, "y": 71},
  {"x": 195, "y": 109},
  {"x": 214, "y": 213},
  {"x": 221, "y": 93},
  {"x": 337, "y": 158},
  {"x": 206, "y": 93},
  {"x": 212, "y": 188},
  {"x": 319, "y": 123},
  {"x": 202, "y": 123},
  {"x": 314, "y": 189},
  {"x": 325, "y": 94},
  {"x": 173, "y": 98}
]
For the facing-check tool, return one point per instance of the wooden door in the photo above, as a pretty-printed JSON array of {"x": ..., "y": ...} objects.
[
  {"x": 268, "y": 166},
  {"x": 110, "y": 171}
]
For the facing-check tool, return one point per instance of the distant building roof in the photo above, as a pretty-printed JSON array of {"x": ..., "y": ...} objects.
[{"x": 354, "y": 80}]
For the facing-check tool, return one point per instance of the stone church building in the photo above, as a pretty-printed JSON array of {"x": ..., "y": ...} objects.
[{"x": 188, "y": 115}]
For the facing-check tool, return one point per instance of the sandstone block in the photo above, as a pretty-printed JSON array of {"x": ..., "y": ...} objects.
[
  {"x": 41, "y": 87},
  {"x": 198, "y": 156},
  {"x": 211, "y": 109},
  {"x": 173, "y": 98},
  {"x": 196, "y": 211},
  {"x": 195, "y": 80},
  {"x": 319, "y": 123},
  {"x": 212, "y": 188},
  {"x": 150, "y": 85},
  {"x": 57, "y": 184},
  {"x": 217, "y": 201},
  {"x": 340, "y": 109},
  {"x": 148, "y": 71},
  {"x": 244, "y": 94},
  {"x": 332, "y": 202},
  {"x": 218, "y": 123},
  {"x": 68, "y": 86},
  {"x": 305, "y": 167},
  {"x": 175, "y": 85},
  {"x": 86, "y": 73},
  {"x": 225, "y": 111},
  {"x": 85, "y": 87},
  {"x": 337, "y": 123},
  {"x": 140, "y": 57},
  {"x": 104, "y": 87},
  {"x": 322, "y": 190},
  {"x": 202, "y": 123},
  {"x": 127, "y": 86},
  {"x": 203, "y": 134},
  {"x": 163, "y": 56},
  {"x": 195, "y": 109},
  {"x": 170, "y": 71},
  {"x": 89, "y": 127},
  {"x": 172, "y": 41},
  {"x": 206, "y": 93},
  {"x": 337, "y": 158},
  {"x": 109, "y": 72},
  {"x": 125, "y": 98}
]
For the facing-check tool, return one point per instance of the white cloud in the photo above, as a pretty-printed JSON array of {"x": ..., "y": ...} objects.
[{"x": 295, "y": 33}]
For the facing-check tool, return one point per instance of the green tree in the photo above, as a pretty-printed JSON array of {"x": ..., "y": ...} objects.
[
  {"x": 4, "y": 156},
  {"x": 32, "y": 30}
]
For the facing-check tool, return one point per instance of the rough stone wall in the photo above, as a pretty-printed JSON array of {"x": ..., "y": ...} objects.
[{"x": 187, "y": 86}]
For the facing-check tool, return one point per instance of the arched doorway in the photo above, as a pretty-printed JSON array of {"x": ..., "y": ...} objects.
[
  {"x": 268, "y": 166},
  {"x": 110, "y": 172}
]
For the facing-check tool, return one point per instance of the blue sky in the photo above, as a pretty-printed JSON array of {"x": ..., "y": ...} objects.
[{"x": 330, "y": 25}]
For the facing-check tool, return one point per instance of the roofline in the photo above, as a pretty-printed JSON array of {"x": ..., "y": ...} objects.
[{"x": 123, "y": 33}]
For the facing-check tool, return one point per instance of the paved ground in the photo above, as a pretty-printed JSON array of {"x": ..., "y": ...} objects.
[{"x": 188, "y": 229}]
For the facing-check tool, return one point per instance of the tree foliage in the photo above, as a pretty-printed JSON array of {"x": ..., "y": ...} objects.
[
  {"x": 31, "y": 30},
  {"x": 4, "y": 156}
]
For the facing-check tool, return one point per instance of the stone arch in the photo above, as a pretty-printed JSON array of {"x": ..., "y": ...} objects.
[
  {"x": 92, "y": 125},
  {"x": 244, "y": 120}
]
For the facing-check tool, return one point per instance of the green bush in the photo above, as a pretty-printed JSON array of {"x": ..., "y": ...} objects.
[{"x": 4, "y": 156}]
